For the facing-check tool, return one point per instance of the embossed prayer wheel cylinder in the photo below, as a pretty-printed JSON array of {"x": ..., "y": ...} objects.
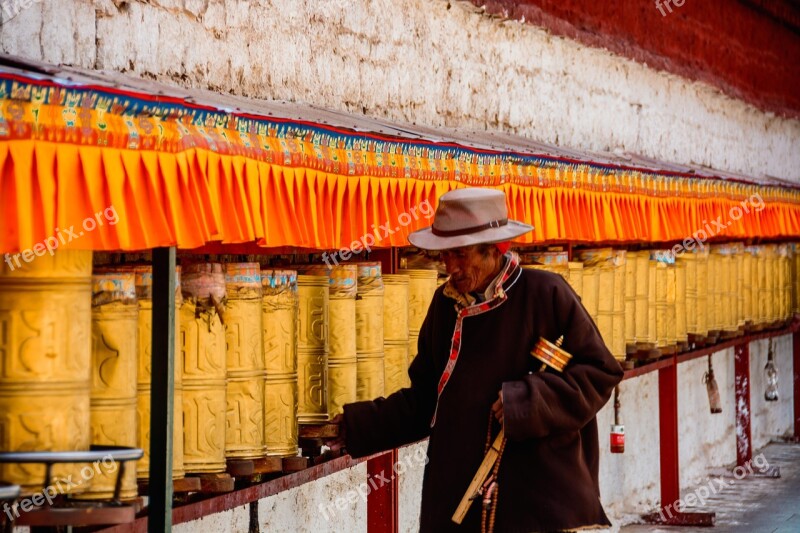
[
  {"x": 690, "y": 264},
  {"x": 662, "y": 304},
  {"x": 115, "y": 321},
  {"x": 279, "y": 320},
  {"x": 629, "y": 272},
  {"x": 204, "y": 357},
  {"x": 714, "y": 306},
  {"x": 771, "y": 283},
  {"x": 763, "y": 292},
  {"x": 652, "y": 323},
  {"x": 144, "y": 294},
  {"x": 312, "y": 349},
  {"x": 575, "y": 278},
  {"x": 244, "y": 431},
  {"x": 681, "y": 327},
  {"x": 370, "y": 374},
  {"x": 421, "y": 288},
  {"x": 342, "y": 360},
  {"x": 395, "y": 331},
  {"x": 618, "y": 325},
  {"x": 701, "y": 259},
  {"x": 746, "y": 287},
  {"x": 641, "y": 262},
  {"x": 46, "y": 320}
]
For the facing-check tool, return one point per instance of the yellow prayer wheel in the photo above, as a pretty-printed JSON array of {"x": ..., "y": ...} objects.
[
  {"x": 279, "y": 320},
  {"x": 672, "y": 329},
  {"x": 115, "y": 321},
  {"x": 618, "y": 325},
  {"x": 681, "y": 327},
  {"x": 772, "y": 283},
  {"x": 763, "y": 293},
  {"x": 630, "y": 299},
  {"x": 701, "y": 258},
  {"x": 395, "y": 332},
  {"x": 575, "y": 278},
  {"x": 690, "y": 263},
  {"x": 204, "y": 357},
  {"x": 746, "y": 289},
  {"x": 714, "y": 301},
  {"x": 46, "y": 317},
  {"x": 312, "y": 349},
  {"x": 421, "y": 288},
  {"x": 244, "y": 430},
  {"x": 641, "y": 262},
  {"x": 370, "y": 376},
  {"x": 144, "y": 294},
  {"x": 782, "y": 270}
]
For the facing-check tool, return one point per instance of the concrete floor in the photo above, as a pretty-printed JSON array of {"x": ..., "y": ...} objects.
[{"x": 752, "y": 504}]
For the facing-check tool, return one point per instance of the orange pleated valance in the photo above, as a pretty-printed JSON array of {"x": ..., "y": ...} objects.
[{"x": 150, "y": 172}]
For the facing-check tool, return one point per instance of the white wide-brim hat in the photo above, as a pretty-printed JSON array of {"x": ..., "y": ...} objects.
[{"x": 466, "y": 217}]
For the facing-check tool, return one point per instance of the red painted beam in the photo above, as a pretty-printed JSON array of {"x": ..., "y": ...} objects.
[
  {"x": 741, "y": 367},
  {"x": 668, "y": 426},
  {"x": 382, "y": 501}
]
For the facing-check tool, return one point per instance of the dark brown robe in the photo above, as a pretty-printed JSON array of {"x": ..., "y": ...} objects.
[{"x": 548, "y": 473}]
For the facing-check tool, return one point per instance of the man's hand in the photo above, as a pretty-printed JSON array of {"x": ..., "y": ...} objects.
[
  {"x": 497, "y": 407},
  {"x": 337, "y": 444}
]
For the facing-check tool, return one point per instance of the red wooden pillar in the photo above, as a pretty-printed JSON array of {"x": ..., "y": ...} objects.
[
  {"x": 741, "y": 367},
  {"x": 382, "y": 504},
  {"x": 796, "y": 372},
  {"x": 668, "y": 426},
  {"x": 382, "y": 501},
  {"x": 670, "y": 514}
]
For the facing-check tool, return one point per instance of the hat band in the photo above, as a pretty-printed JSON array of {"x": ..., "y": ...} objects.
[{"x": 467, "y": 231}]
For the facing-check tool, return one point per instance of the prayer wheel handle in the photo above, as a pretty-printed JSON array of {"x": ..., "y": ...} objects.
[{"x": 118, "y": 454}]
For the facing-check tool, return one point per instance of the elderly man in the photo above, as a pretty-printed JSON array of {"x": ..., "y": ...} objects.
[{"x": 474, "y": 371}]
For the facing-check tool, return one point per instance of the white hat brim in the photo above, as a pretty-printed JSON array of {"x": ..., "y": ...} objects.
[{"x": 426, "y": 240}]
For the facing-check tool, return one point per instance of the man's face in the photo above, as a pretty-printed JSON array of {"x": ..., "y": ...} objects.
[{"x": 469, "y": 269}]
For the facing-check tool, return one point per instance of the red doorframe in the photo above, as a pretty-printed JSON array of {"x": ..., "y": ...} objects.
[{"x": 741, "y": 368}]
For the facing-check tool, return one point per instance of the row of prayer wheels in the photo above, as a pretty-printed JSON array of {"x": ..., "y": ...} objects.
[
  {"x": 257, "y": 352},
  {"x": 656, "y": 301}
]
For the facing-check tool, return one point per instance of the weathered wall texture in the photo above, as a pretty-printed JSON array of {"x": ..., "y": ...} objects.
[
  {"x": 423, "y": 61},
  {"x": 705, "y": 440},
  {"x": 630, "y": 482},
  {"x": 771, "y": 419},
  {"x": 415, "y": 456}
]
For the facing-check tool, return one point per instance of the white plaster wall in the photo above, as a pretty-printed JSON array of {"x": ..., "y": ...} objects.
[
  {"x": 705, "y": 440},
  {"x": 232, "y": 521},
  {"x": 771, "y": 419},
  {"x": 630, "y": 482},
  {"x": 422, "y": 61},
  {"x": 313, "y": 507},
  {"x": 410, "y": 489}
]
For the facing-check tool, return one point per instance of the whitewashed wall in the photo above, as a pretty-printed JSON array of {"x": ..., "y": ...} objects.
[
  {"x": 705, "y": 440},
  {"x": 430, "y": 62},
  {"x": 630, "y": 482}
]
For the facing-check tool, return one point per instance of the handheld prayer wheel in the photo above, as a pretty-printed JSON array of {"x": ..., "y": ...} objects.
[
  {"x": 370, "y": 376},
  {"x": 244, "y": 433},
  {"x": 395, "y": 332},
  {"x": 144, "y": 294},
  {"x": 312, "y": 349},
  {"x": 46, "y": 317},
  {"x": 115, "y": 321},
  {"x": 204, "y": 367},
  {"x": 279, "y": 320}
]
